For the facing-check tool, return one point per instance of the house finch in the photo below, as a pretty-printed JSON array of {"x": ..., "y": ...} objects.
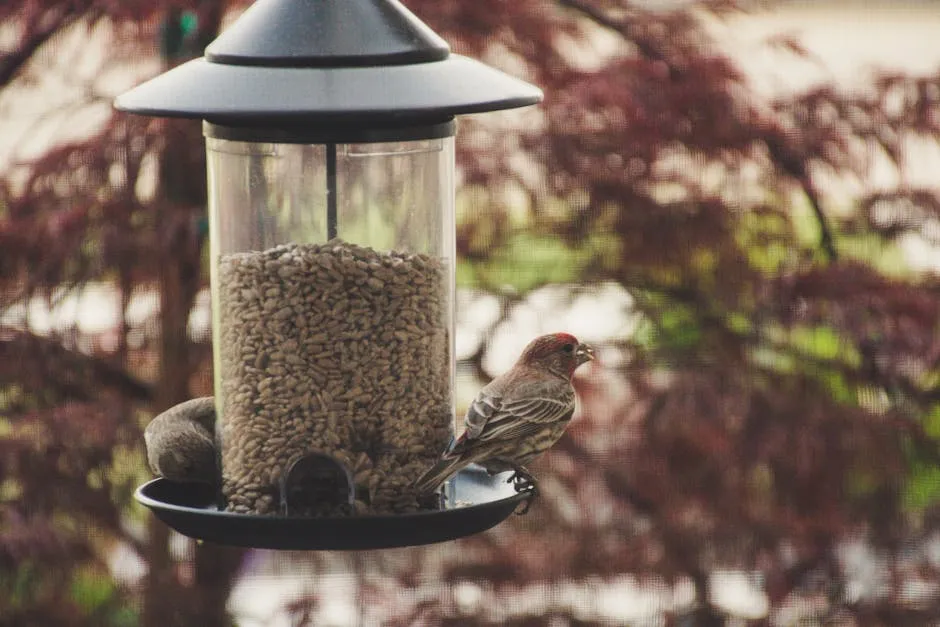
[
  {"x": 180, "y": 443},
  {"x": 518, "y": 415}
]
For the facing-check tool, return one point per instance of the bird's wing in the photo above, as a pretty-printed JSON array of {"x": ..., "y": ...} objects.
[
  {"x": 483, "y": 407},
  {"x": 495, "y": 418}
]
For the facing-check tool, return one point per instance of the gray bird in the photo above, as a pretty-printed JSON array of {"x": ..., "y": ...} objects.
[{"x": 181, "y": 444}]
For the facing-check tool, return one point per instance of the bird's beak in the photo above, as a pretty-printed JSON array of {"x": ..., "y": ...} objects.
[{"x": 584, "y": 353}]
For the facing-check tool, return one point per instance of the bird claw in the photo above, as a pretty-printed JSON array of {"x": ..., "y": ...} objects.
[
  {"x": 521, "y": 479},
  {"x": 524, "y": 482}
]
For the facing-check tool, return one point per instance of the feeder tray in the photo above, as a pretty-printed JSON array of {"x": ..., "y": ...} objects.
[{"x": 474, "y": 502}]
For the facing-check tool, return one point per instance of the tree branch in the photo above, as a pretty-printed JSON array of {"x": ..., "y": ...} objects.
[
  {"x": 39, "y": 28},
  {"x": 29, "y": 357},
  {"x": 621, "y": 27},
  {"x": 787, "y": 159}
]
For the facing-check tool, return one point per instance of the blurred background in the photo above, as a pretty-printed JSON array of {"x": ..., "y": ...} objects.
[{"x": 737, "y": 202}]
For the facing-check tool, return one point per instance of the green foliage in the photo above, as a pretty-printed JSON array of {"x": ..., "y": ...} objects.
[
  {"x": 922, "y": 488},
  {"x": 767, "y": 237},
  {"x": 99, "y": 598},
  {"x": 21, "y": 585},
  {"x": 527, "y": 260},
  {"x": 673, "y": 328},
  {"x": 823, "y": 342}
]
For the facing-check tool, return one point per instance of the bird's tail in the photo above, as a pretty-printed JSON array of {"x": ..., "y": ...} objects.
[{"x": 438, "y": 474}]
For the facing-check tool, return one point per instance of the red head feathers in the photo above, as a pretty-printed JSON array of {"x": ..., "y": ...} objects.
[{"x": 559, "y": 352}]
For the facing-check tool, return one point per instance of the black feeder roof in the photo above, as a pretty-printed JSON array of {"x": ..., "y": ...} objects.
[{"x": 322, "y": 61}]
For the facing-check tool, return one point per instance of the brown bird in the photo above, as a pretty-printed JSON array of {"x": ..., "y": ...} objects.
[
  {"x": 180, "y": 443},
  {"x": 518, "y": 415}
]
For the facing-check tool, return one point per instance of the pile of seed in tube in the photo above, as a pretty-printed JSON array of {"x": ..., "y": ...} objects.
[{"x": 337, "y": 350}]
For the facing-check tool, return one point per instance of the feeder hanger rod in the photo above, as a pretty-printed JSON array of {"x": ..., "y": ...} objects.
[{"x": 331, "y": 196}]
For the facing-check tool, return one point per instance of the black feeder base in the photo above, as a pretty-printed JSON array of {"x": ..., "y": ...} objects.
[{"x": 474, "y": 502}]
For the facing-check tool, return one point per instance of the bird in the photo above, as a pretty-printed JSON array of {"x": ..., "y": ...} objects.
[
  {"x": 180, "y": 443},
  {"x": 517, "y": 416}
]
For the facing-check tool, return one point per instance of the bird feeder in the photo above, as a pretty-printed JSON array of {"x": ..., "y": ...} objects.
[{"x": 329, "y": 130}]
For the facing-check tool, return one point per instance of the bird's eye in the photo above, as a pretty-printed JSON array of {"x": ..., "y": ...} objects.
[{"x": 568, "y": 348}]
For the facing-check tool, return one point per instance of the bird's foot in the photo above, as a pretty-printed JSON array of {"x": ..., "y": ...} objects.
[{"x": 523, "y": 481}]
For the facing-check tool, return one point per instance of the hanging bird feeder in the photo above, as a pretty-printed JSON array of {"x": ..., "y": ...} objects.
[{"x": 329, "y": 130}]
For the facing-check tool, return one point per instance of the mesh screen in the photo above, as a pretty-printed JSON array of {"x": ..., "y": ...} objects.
[{"x": 738, "y": 209}]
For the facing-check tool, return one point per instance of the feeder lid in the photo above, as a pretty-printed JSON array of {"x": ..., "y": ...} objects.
[{"x": 315, "y": 61}]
